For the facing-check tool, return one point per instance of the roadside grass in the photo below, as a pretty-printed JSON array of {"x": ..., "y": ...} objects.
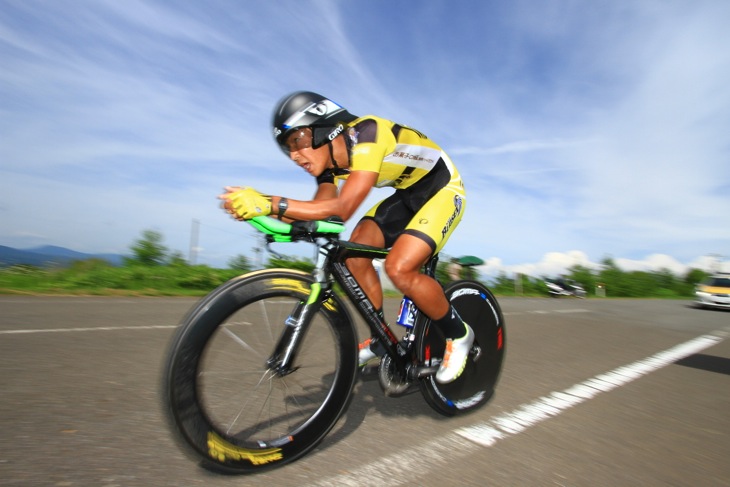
[
  {"x": 99, "y": 278},
  {"x": 106, "y": 280}
]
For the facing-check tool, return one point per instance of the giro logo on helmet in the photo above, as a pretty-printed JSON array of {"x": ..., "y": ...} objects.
[{"x": 337, "y": 131}]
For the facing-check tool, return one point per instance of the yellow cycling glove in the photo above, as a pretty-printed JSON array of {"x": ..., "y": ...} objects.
[{"x": 247, "y": 203}]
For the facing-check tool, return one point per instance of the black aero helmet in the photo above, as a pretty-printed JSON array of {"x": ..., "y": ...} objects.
[{"x": 307, "y": 109}]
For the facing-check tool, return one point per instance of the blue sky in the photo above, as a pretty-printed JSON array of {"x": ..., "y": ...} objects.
[{"x": 582, "y": 129}]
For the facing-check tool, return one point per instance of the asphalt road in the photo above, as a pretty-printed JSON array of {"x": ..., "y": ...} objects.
[{"x": 80, "y": 380}]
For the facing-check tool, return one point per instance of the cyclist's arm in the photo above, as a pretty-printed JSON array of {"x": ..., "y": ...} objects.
[
  {"x": 328, "y": 202},
  {"x": 325, "y": 191}
]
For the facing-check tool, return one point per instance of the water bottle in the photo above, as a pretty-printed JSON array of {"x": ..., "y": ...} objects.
[{"x": 407, "y": 313}]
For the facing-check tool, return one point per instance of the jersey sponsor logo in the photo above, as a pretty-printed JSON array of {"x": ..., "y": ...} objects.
[
  {"x": 413, "y": 156},
  {"x": 458, "y": 203}
]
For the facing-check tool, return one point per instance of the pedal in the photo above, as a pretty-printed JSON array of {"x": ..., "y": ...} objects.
[
  {"x": 370, "y": 370},
  {"x": 475, "y": 352}
]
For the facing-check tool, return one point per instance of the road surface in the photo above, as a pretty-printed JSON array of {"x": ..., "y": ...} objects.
[{"x": 593, "y": 393}]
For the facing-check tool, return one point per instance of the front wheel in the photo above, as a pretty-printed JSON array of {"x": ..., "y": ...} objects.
[
  {"x": 229, "y": 407},
  {"x": 478, "y": 307}
]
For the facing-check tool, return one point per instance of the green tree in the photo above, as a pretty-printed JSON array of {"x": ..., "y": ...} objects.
[
  {"x": 177, "y": 259},
  {"x": 442, "y": 271},
  {"x": 583, "y": 276},
  {"x": 149, "y": 250},
  {"x": 503, "y": 284},
  {"x": 695, "y": 276},
  {"x": 613, "y": 278},
  {"x": 288, "y": 262},
  {"x": 240, "y": 263}
]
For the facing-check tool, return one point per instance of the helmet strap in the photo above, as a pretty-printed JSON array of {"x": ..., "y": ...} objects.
[
  {"x": 332, "y": 155},
  {"x": 337, "y": 170}
]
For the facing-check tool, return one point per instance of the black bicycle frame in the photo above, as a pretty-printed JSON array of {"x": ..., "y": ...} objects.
[{"x": 331, "y": 261}]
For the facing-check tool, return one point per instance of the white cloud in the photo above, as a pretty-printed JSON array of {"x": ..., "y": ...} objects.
[
  {"x": 597, "y": 129},
  {"x": 554, "y": 264}
]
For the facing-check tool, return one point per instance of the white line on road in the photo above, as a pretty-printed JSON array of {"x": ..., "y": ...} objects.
[
  {"x": 486, "y": 434},
  {"x": 100, "y": 328},
  {"x": 389, "y": 470},
  {"x": 546, "y": 312},
  {"x": 162, "y": 327}
]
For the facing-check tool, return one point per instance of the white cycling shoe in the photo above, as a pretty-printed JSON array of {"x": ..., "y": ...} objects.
[
  {"x": 365, "y": 354},
  {"x": 455, "y": 357}
]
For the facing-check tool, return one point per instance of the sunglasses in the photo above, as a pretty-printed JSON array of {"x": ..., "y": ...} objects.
[{"x": 301, "y": 139}]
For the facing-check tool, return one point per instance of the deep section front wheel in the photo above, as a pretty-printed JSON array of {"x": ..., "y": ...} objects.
[
  {"x": 232, "y": 410},
  {"x": 478, "y": 307}
]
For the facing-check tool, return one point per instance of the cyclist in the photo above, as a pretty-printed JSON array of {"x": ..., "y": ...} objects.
[{"x": 349, "y": 156}]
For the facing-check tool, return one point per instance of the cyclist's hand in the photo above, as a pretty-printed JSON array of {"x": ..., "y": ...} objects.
[{"x": 245, "y": 203}]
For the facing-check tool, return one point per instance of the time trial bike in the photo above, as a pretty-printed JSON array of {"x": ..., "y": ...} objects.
[{"x": 262, "y": 368}]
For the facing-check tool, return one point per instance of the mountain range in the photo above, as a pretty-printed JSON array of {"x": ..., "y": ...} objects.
[{"x": 50, "y": 255}]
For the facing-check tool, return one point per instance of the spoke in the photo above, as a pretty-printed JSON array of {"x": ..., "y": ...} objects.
[
  {"x": 240, "y": 341},
  {"x": 254, "y": 404},
  {"x": 266, "y": 402},
  {"x": 265, "y": 313},
  {"x": 265, "y": 377}
]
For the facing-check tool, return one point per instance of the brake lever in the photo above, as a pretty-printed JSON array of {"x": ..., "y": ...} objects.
[{"x": 276, "y": 254}]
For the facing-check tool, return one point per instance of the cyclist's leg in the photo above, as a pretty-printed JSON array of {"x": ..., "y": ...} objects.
[
  {"x": 403, "y": 266},
  {"x": 378, "y": 228},
  {"x": 424, "y": 235},
  {"x": 367, "y": 232}
]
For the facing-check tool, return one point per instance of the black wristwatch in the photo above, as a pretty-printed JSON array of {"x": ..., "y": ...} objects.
[{"x": 283, "y": 205}]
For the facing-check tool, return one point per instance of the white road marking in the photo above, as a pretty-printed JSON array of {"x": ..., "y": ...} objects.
[
  {"x": 546, "y": 312},
  {"x": 162, "y": 327},
  {"x": 486, "y": 434},
  {"x": 100, "y": 328},
  {"x": 464, "y": 441}
]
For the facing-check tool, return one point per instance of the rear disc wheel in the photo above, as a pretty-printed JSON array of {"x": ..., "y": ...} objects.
[{"x": 478, "y": 307}]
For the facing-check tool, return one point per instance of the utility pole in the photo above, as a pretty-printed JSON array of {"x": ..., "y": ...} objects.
[{"x": 194, "y": 233}]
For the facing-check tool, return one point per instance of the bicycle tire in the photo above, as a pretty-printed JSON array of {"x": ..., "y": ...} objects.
[
  {"x": 217, "y": 360},
  {"x": 478, "y": 307}
]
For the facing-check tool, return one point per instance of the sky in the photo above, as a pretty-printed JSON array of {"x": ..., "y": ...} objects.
[{"x": 583, "y": 130}]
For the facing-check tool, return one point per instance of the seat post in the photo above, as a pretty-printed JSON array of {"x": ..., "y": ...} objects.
[{"x": 429, "y": 268}]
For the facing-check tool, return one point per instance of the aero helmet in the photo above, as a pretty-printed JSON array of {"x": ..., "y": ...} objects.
[{"x": 307, "y": 109}]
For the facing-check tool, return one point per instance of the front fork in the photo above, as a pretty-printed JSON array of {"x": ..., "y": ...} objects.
[{"x": 297, "y": 323}]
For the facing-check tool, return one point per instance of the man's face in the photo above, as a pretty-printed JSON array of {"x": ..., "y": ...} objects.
[{"x": 299, "y": 145}]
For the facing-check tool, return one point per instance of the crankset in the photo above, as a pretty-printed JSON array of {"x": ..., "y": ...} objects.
[{"x": 393, "y": 381}]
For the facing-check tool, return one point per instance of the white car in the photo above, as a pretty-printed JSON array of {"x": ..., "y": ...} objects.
[
  {"x": 564, "y": 287},
  {"x": 713, "y": 292}
]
